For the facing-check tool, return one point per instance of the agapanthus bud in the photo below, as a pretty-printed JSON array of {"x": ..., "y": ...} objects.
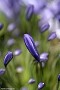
[
  {"x": 10, "y": 42},
  {"x": 43, "y": 57},
  {"x": 1, "y": 26},
  {"x": 44, "y": 27},
  {"x": 11, "y": 27},
  {"x": 52, "y": 36},
  {"x": 17, "y": 52},
  {"x": 2, "y": 71},
  {"x": 31, "y": 81},
  {"x": 37, "y": 43},
  {"x": 40, "y": 85},
  {"x": 29, "y": 12},
  {"x": 24, "y": 88},
  {"x": 59, "y": 77},
  {"x": 29, "y": 42},
  {"x": 8, "y": 58}
]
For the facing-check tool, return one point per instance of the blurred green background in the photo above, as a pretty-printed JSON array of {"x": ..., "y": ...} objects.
[{"x": 18, "y": 80}]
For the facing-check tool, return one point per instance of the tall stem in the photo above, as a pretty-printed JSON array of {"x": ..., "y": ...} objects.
[
  {"x": 41, "y": 70},
  {"x": 57, "y": 86}
]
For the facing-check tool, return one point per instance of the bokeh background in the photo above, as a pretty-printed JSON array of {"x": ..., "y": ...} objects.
[{"x": 22, "y": 67}]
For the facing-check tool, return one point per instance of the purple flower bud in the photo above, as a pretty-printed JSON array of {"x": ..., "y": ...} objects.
[
  {"x": 44, "y": 27},
  {"x": 40, "y": 85},
  {"x": 1, "y": 26},
  {"x": 36, "y": 43},
  {"x": 29, "y": 12},
  {"x": 31, "y": 81},
  {"x": 2, "y": 71},
  {"x": 24, "y": 88},
  {"x": 29, "y": 42},
  {"x": 59, "y": 77},
  {"x": 8, "y": 58},
  {"x": 52, "y": 36},
  {"x": 10, "y": 42},
  {"x": 11, "y": 27},
  {"x": 43, "y": 57},
  {"x": 17, "y": 52}
]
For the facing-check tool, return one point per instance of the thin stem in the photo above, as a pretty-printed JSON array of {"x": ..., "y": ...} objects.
[
  {"x": 57, "y": 85},
  {"x": 41, "y": 70}
]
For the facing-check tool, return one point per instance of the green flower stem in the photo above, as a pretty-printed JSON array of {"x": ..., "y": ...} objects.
[
  {"x": 41, "y": 71},
  {"x": 58, "y": 85}
]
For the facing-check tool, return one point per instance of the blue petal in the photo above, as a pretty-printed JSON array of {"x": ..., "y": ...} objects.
[
  {"x": 44, "y": 27},
  {"x": 11, "y": 27},
  {"x": 17, "y": 52},
  {"x": 43, "y": 57},
  {"x": 52, "y": 36},
  {"x": 29, "y": 12},
  {"x": 31, "y": 81},
  {"x": 40, "y": 85},
  {"x": 36, "y": 43},
  {"x": 8, "y": 58},
  {"x": 2, "y": 71},
  {"x": 10, "y": 42},
  {"x": 29, "y": 42}
]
